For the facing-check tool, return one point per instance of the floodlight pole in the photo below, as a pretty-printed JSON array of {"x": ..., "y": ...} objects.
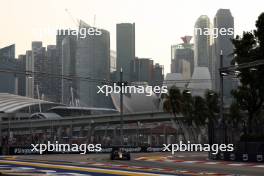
[
  {"x": 222, "y": 95},
  {"x": 221, "y": 86},
  {"x": 121, "y": 107}
]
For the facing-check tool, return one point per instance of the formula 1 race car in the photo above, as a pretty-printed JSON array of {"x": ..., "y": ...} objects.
[{"x": 119, "y": 154}]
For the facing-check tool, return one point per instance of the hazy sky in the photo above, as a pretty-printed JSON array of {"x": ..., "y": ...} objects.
[{"x": 159, "y": 23}]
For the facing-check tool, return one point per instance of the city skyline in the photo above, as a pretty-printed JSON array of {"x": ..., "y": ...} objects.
[{"x": 156, "y": 28}]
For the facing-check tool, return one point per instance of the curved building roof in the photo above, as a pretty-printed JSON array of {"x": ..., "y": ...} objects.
[
  {"x": 174, "y": 79},
  {"x": 10, "y": 103},
  {"x": 201, "y": 81},
  {"x": 136, "y": 102}
]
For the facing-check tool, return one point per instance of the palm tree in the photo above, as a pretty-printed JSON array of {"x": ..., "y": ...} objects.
[
  {"x": 188, "y": 107},
  {"x": 234, "y": 120},
  {"x": 173, "y": 103},
  {"x": 212, "y": 103},
  {"x": 188, "y": 112},
  {"x": 197, "y": 110}
]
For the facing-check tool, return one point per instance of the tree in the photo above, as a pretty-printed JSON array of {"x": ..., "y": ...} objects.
[
  {"x": 188, "y": 112},
  {"x": 235, "y": 121},
  {"x": 188, "y": 107},
  {"x": 198, "y": 109},
  {"x": 235, "y": 116},
  {"x": 201, "y": 112},
  {"x": 173, "y": 103},
  {"x": 250, "y": 94},
  {"x": 212, "y": 102}
]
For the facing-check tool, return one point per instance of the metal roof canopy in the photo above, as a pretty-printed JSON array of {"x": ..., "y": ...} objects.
[{"x": 10, "y": 103}]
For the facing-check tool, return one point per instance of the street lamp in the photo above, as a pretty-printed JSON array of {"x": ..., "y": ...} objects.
[
  {"x": 224, "y": 73},
  {"x": 237, "y": 72},
  {"x": 187, "y": 91}
]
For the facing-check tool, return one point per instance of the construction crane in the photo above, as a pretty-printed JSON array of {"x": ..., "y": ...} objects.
[{"x": 76, "y": 21}]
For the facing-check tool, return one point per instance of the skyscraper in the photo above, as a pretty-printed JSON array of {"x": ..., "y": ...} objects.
[
  {"x": 58, "y": 61},
  {"x": 29, "y": 76},
  {"x": 201, "y": 78},
  {"x": 223, "y": 19},
  {"x": 144, "y": 70},
  {"x": 202, "y": 41},
  {"x": 54, "y": 87},
  {"x": 8, "y": 62},
  {"x": 69, "y": 87},
  {"x": 40, "y": 67},
  {"x": 69, "y": 49},
  {"x": 93, "y": 61},
  {"x": 158, "y": 75},
  {"x": 8, "y": 51},
  {"x": 182, "y": 56},
  {"x": 125, "y": 48},
  {"x": 37, "y": 52},
  {"x": 21, "y": 64},
  {"x": 41, "y": 79},
  {"x": 112, "y": 61}
]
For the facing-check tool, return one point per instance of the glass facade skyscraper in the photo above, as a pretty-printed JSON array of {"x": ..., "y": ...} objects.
[
  {"x": 125, "y": 48},
  {"x": 93, "y": 61},
  {"x": 69, "y": 87},
  {"x": 182, "y": 58},
  {"x": 8, "y": 62},
  {"x": 201, "y": 41},
  {"x": 223, "y": 19}
]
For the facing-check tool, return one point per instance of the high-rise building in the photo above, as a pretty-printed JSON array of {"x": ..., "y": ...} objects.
[
  {"x": 158, "y": 75},
  {"x": 37, "y": 53},
  {"x": 58, "y": 61},
  {"x": 182, "y": 56},
  {"x": 21, "y": 64},
  {"x": 173, "y": 65},
  {"x": 8, "y": 51},
  {"x": 41, "y": 69},
  {"x": 201, "y": 78},
  {"x": 41, "y": 76},
  {"x": 9, "y": 81},
  {"x": 112, "y": 61},
  {"x": 54, "y": 88},
  {"x": 144, "y": 70},
  {"x": 69, "y": 87},
  {"x": 29, "y": 74},
  {"x": 223, "y": 19},
  {"x": 125, "y": 48},
  {"x": 201, "y": 41},
  {"x": 61, "y": 35},
  {"x": 113, "y": 72},
  {"x": 93, "y": 61}
]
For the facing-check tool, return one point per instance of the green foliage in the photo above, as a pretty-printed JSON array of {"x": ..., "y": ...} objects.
[
  {"x": 195, "y": 109},
  {"x": 235, "y": 115},
  {"x": 250, "y": 94},
  {"x": 212, "y": 101},
  {"x": 173, "y": 101},
  {"x": 201, "y": 111}
]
